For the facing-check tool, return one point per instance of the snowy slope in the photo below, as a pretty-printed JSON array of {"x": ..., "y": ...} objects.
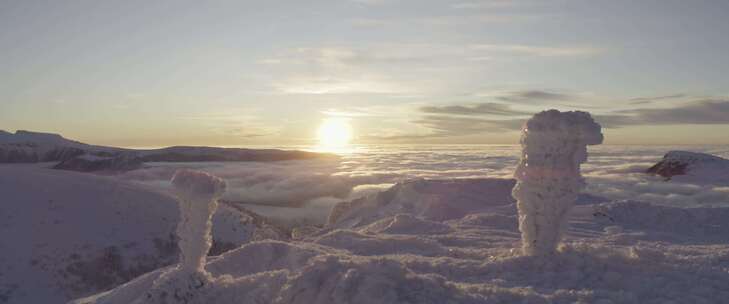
[
  {"x": 65, "y": 234},
  {"x": 620, "y": 252}
]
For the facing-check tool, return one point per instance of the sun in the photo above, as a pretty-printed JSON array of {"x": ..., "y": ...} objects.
[{"x": 334, "y": 133}]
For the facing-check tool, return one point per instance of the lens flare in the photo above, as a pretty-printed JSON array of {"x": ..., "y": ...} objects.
[{"x": 334, "y": 133}]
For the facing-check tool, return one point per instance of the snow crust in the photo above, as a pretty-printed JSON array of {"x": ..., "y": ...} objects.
[{"x": 554, "y": 144}]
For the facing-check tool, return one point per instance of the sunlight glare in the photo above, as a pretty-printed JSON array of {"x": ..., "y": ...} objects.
[{"x": 334, "y": 133}]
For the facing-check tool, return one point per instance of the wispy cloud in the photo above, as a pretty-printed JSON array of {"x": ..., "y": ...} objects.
[
  {"x": 371, "y": 2},
  {"x": 345, "y": 113},
  {"x": 461, "y": 120},
  {"x": 477, "y": 109},
  {"x": 644, "y": 100},
  {"x": 535, "y": 96},
  {"x": 542, "y": 51},
  {"x": 234, "y": 123},
  {"x": 698, "y": 112},
  {"x": 378, "y": 68},
  {"x": 486, "y": 4}
]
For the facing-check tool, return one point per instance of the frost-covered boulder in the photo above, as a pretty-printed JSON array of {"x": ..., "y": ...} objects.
[
  {"x": 554, "y": 144},
  {"x": 435, "y": 200},
  {"x": 692, "y": 167}
]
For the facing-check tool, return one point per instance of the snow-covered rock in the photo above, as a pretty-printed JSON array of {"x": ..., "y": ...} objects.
[
  {"x": 197, "y": 194},
  {"x": 66, "y": 234},
  {"x": 554, "y": 144},
  {"x": 692, "y": 167},
  {"x": 436, "y": 200}
]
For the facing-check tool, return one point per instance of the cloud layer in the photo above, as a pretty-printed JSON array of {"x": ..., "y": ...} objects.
[
  {"x": 517, "y": 106},
  {"x": 311, "y": 187}
]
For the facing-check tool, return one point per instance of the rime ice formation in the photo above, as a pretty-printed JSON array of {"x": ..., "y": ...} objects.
[
  {"x": 554, "y": 144},
  {"x": 198, "y": 193}
]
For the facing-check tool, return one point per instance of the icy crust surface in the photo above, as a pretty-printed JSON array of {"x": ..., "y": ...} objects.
[{"x": 616, "y": 252}]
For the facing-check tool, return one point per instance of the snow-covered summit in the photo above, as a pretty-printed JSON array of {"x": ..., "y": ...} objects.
[
  {"x": 31, "y": 147},
  {"x": 22, "y": 136},
  {"x": 692, "y": 167}
]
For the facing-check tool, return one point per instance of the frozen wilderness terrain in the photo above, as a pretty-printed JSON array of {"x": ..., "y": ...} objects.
[
  {"x": 618, "y": 252},
  {"x": 66, "y": 234},
  {"x": 441, "y": 234}
]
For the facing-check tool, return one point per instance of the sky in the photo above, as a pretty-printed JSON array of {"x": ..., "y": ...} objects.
[{"x": 237, "y": 73}]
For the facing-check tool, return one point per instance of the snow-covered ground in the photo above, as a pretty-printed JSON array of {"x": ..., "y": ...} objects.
[
  {"x": 632, "y": 238},
  {"x": 65, "y": 234},
  {"x": 619, "y": 252}
]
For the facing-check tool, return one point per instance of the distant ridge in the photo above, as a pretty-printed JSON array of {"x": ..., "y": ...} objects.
[{"x": 31, "y": 147}]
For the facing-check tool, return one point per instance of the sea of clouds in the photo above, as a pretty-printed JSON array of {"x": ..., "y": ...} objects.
[{"x": 307, "y": 189}]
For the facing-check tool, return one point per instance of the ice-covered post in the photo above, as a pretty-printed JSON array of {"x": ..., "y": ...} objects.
[
  {"x": 554, "y": 144},
  {"x": 198, "y": 194}
]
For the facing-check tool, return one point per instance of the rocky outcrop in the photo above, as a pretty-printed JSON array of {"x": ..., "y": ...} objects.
[{"x": 691, "y": 166}]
